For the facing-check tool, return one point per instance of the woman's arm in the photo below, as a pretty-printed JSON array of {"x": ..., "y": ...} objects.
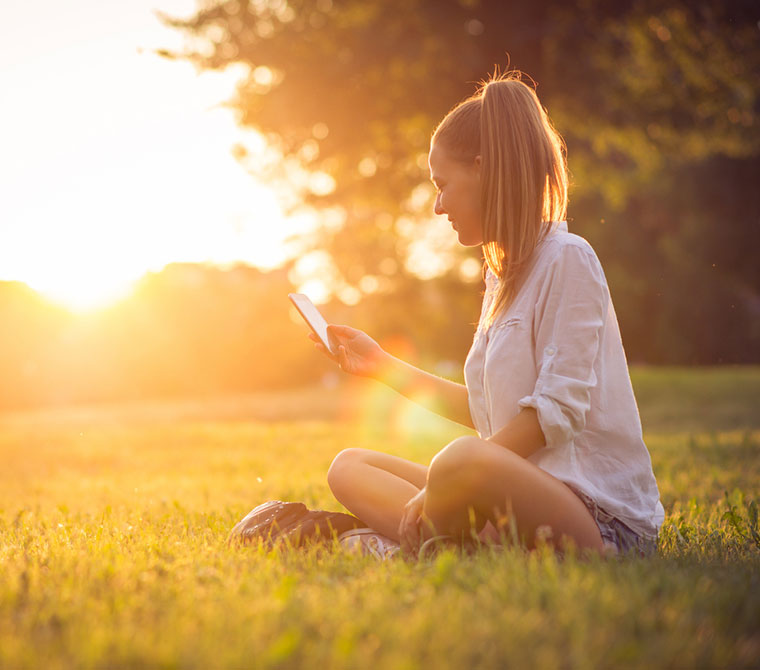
[
  {"x": 358, "y": 354},
  {"x": 522, "y": 434},
  {"x": 439, "y": 395}
]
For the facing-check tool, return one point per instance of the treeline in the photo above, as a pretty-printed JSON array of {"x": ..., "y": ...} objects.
[
  {"x": 199, "y": 330},
  {"x": 658, "y": 102}
]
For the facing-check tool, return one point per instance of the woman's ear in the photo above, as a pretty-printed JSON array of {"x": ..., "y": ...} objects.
[{"x": 477, "y": 163}]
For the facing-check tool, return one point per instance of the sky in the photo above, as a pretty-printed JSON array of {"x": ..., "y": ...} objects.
[{"x": 115, "y": 161}]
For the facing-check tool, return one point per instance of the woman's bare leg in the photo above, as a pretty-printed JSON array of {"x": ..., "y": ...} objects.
[
  {"x": 474, "y": 475},
  {"x": 375, "y": 486}
]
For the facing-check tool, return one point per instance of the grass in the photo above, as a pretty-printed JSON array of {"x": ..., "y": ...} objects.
[{"x": 113, "y": 521}]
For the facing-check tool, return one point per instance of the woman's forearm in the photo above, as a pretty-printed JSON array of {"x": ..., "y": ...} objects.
[
  {"x": 439, "y": 395},
  {"x": 522, "y": 434}
]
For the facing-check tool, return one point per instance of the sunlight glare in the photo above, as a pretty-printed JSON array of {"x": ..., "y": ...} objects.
[
  {"x": 316, "y": 289},
  {"x": 131, "y": 172},
  {"x": 79, "y": 292}
]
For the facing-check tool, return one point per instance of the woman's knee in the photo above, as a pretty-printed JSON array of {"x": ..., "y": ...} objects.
[
  {"x": 340, "y": 469},
  {"x": 460, "y": 463}
]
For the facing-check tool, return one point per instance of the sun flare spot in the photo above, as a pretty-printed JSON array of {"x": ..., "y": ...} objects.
[{"x": 82, "y": 291}]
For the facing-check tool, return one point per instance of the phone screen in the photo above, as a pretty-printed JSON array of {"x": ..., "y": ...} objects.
[{"x": 311, "y": 315}]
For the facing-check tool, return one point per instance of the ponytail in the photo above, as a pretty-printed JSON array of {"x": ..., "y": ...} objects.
[{"x": 523, "y": 174}]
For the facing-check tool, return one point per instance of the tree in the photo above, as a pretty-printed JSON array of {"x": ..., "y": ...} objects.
[{"x": 347, "y": 92}]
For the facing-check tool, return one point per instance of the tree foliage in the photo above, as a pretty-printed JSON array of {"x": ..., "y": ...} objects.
[{"x": 657, "y": 101}]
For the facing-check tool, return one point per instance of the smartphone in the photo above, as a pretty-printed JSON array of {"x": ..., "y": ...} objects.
[{"x": 311, "y": 315}]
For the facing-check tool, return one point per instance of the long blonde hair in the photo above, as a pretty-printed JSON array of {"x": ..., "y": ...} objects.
[{"x": 523, "y": 175}]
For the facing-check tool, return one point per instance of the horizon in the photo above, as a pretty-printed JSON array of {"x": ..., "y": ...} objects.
[
  {"x": 115, "y": 301},
  {"x": 133, "y": 168}
]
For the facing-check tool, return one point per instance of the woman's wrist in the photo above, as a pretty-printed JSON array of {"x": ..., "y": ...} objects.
[{"x": 390, "y": 371}]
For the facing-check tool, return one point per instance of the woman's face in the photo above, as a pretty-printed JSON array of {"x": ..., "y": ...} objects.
[{"x": 458, "y": 195}]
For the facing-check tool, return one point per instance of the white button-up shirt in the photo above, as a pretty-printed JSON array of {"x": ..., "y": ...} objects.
[{"x": 557, "y": 348}]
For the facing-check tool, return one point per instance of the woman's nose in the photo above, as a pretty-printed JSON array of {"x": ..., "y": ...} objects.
[{"x": 438, "y": 206}]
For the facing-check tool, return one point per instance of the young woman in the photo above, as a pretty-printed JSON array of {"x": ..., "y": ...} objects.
[{"x": 560, "y": 455}]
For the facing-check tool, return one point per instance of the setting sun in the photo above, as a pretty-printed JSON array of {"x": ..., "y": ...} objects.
[{"x": 131, "y": 170}]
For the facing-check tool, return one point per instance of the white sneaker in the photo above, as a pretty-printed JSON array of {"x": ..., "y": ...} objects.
[{"x": 369, "y": 543}]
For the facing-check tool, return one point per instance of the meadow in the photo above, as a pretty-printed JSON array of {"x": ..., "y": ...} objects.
[{"x": 113, "y": 521}]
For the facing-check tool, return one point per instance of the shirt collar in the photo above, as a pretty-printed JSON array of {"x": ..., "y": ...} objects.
[{"x": 556, "y": 226}]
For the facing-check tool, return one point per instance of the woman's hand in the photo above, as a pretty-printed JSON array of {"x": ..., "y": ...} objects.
[
  {"x": 410, "y": 528},
  {"x": 356, "y": 352}
]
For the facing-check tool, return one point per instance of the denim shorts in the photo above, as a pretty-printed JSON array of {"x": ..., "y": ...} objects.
[{"x": 617, "y": 537}]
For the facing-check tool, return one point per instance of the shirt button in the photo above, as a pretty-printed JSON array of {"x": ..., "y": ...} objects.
[{"x": 550, "y": 351}]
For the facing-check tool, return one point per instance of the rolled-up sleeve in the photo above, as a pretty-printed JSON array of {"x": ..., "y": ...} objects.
[{"x": 570, "y": 313}]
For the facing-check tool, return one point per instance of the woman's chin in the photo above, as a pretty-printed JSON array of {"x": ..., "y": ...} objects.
[{"x": 468, "y": 242}]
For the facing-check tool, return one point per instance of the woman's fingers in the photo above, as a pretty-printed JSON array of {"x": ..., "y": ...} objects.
[
  {"x": 412, "y": 532},
  {"x": 343, "y": 357},
  {"x": 321, "y": 347},
  {"x": 403, "y": 532},
  {"x": 340, "y": 330},
  {"x": 340, "y": 356},
  {"x": 410, "y": 538},
  {"x": 402, "y": 528},
  {"x": 409, "y": 532}
]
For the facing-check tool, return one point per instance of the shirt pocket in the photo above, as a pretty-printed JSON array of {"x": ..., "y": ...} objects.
[
  {"x": 515, "y": 321},
  {"x": 508, "y": 338},
  {"x": 511, "y": 323}
]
